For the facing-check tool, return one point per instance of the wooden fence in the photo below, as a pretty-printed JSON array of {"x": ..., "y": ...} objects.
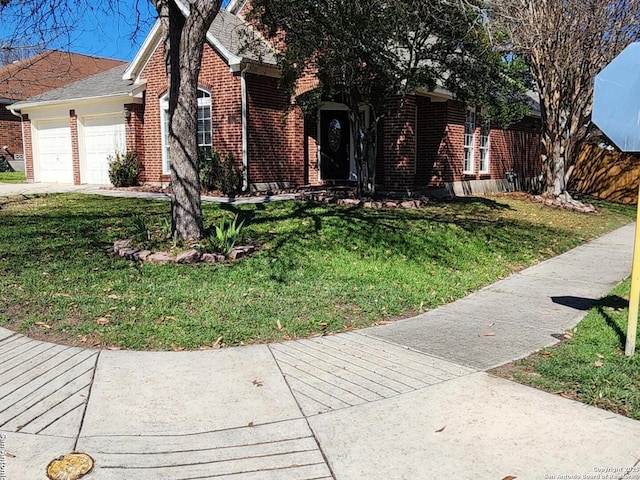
[{"x": 606, "y": 174}]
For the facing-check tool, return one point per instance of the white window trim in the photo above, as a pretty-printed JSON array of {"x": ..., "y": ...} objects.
[
  {"x": 164, "y": 112},
  {"x": 486, "y": 149},
  {"x": 466, "y": 147}
]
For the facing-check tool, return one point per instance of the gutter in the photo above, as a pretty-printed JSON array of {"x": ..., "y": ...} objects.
[
  {"x": 46, "y": 103},
  {"x": 245, "y": 129}
]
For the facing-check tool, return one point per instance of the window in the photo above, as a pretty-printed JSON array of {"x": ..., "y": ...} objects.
[
  {"x": 204, "y": 119},
  {"x": 485, "y": 130},
  {"x": 469, "y": 140},
  {"x": 204, "y": 136}
]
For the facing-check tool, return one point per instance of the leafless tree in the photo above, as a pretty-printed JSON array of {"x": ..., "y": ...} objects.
[{"x": 566, "y": 43}]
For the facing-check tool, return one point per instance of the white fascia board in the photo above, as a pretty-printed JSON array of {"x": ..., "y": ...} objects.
[
  {"x": 438, "y": 94},
  {"x": 144, "y": 53},
  {"x": 74, "y": 102}
]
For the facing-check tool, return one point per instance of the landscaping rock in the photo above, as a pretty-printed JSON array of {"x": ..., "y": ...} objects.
[
  {"x": 241, "y": 251},
  {"x": 349, "y": 201},
  {"x": 127, "y": 252},
  {"x": 390, "y": 204},
  {"x": 160, "y": 257},
  {"x": 188, "y": 257},
  {"x": 212, "y": 257},
  {"x": 119, "y": 244},
  {"x": 410, "y": 204},
  {"x": 141, "y": 255},
  {"x": 372, "y": 205}
]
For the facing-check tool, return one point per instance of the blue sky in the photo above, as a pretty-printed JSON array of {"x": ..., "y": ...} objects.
[{"x": 111, "y": 34}]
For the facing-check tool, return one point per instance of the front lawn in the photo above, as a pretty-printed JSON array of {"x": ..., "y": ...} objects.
[
  {"x": 320, "y": 268},
  {"x": 590, "y": 366},
  {"x": 12, "y": 177}
]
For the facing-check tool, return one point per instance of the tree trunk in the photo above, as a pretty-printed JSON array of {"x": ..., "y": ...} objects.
[
  {"x": 555, "y": 148},
  {"x": 184, "y": 39},
  {"x": 365, "y": 152}
]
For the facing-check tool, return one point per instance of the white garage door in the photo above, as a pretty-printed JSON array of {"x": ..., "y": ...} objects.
[
  {"x": 54, "y": 151},
  {"x": 103, "y": 136}
]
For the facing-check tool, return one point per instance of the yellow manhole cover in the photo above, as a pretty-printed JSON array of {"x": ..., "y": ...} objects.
[{"x": 70, "y": 467}]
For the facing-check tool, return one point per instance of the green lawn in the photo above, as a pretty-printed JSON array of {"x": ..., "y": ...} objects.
[
  {"x": 590, "y": 366},
  {"x": 320, "y": 268},
  {"x": 12, "y": 177}
]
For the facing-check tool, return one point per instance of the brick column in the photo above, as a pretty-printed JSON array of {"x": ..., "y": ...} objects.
[
  {"x": 28, "y": 148},
  {"x": 75, "y": 151}
]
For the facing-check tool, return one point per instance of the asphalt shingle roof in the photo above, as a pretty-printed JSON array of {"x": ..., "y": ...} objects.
[
  {"x": 105, "y": 84},
  {"x": 231, "y": 31}
]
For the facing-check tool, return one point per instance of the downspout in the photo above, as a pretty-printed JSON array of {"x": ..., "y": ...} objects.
[{"x": 245, "y": 130}]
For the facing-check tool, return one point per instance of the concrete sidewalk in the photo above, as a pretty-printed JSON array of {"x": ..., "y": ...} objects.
[
  {"x": 410, "y": 400},
  {"x": 10, "y": 189}
]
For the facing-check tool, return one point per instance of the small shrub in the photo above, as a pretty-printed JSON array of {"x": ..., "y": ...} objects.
[
  {"x": 141, "y": 227},
  {"x": 225, "y": 236},
  {"x": 124, "y": 169},
  {"x": 217, "y": 174}
]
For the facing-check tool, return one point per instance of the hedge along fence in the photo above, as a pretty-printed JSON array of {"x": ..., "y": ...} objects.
[{"x": 606, "y": 174}]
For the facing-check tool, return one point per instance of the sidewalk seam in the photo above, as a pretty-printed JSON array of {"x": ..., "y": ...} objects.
[
  {"x": 86, "y": 405},
  {"x": 313, "y": 434}
]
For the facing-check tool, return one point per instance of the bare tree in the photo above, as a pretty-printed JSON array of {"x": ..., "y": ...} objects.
[
  {"x": 185, "y": 26},
  {"x": 565, "y": 43}
]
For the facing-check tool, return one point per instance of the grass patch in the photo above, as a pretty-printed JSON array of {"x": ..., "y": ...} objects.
[
  {"x": 12, "y": 177},
  {"x": 320, "y": 268},
  {"x": 590, "y": 366}
]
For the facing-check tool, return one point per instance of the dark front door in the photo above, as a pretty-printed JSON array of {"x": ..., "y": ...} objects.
[{"x": 334, "y": 144}]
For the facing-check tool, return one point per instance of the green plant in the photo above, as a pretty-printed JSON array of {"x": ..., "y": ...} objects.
[
  {"x": 141, "y": 227},
  {"x": 226, "y": 234},
  {"x": 218, "y": 174},
  {"x": 124, "y": 169}
]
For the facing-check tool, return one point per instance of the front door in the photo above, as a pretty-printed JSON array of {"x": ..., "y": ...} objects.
[{"x": 334, "y": 144}]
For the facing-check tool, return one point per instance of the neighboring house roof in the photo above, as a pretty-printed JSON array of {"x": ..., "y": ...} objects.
[
  {"x": 102, "y": 85},
  {"x": 49, "y": 70}
]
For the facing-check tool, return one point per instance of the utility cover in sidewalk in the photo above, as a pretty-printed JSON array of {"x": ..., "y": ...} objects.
[
  {"x": 616, "y": 99},
  {"x": 70, "y": 467}
]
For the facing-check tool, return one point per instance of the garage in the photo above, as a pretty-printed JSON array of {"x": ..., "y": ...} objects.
[
  {"x": 54, "y": 151},
  {"x": 102, "y": 136}
]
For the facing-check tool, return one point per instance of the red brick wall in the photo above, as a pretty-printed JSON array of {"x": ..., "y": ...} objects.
[
  {"x": 276, "y": 136},
  {"x": 440, "y": 146},
  {"x": 134, "y": 128},
  {"x": 226, "y": 110},
  {"x": 10, "y": 132},
  {"x": 396, "y": 163}
]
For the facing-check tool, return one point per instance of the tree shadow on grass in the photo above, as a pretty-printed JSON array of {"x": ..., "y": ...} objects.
[{"x": 602, "y": 306}]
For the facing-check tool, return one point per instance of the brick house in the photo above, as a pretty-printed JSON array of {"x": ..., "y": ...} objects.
[
  {"x": 33, "y": 76},
  {"x": 429, "y": 142}
]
